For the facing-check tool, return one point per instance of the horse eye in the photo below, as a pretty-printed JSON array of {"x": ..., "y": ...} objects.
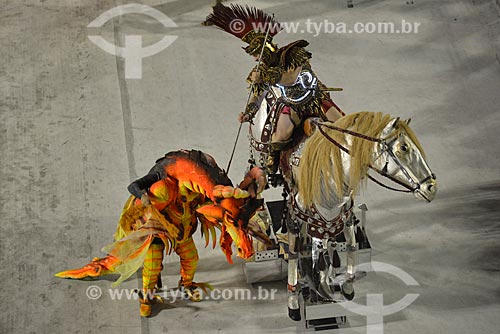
[{"x": 404, "y": 147}]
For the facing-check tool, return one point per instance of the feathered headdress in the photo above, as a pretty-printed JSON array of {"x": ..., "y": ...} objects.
[{"x": 247, "y": 23}]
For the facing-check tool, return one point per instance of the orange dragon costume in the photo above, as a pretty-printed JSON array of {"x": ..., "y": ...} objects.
[{"x": 183, "y": 189}]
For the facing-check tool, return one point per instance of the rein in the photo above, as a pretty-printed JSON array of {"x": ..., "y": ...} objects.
[
  {"x": 352, "y": 133},
  {"x": 372, "y": 139}
]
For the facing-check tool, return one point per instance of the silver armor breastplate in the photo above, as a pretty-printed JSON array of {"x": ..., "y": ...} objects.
[{"x": 302, "y": 90}]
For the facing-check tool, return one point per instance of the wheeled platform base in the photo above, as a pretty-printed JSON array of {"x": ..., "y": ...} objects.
[
  {"x": 328, "y": 316},
  {"x": 324, "y": 316}
]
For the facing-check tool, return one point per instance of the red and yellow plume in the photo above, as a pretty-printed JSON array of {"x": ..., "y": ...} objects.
[{"x": 245, "y": 22}]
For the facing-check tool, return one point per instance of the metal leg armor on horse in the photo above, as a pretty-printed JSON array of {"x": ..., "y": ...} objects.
[
  {"x": 331, "y": 279},
  {"x": 315, "y": 277},
  {"x": 292, "y": 286},
  {"x": 321, "y": 271}
]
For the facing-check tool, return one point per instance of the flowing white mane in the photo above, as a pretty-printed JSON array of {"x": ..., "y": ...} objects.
[{"x": 319, "y": 154}]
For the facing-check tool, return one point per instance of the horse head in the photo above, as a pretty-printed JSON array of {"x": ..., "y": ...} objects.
[
  {"x": 233, "y": 208},
  {"x": 338, "y": 156},
  {"x": 400, "y": 157}
]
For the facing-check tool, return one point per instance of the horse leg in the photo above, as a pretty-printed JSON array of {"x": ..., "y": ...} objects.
[
  {"x": 96, "y": 268},
  {"x": 151, "y": 276},
  {"x": 350, "y": 237},
  {"x": 292, "y": 287},
  {"x": 326, "y": 267},
  {"x": 189, "y": 261}
]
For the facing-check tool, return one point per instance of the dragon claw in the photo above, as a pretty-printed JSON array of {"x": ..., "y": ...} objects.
[
  {"x": 192, "y": 290},
  {"x": 193, "y": 294}
]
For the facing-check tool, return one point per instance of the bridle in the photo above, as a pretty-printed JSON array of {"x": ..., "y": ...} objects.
[{"x": 413, "y": 185}]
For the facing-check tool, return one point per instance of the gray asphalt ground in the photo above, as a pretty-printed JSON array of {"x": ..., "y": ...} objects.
[{"x": 74, "y": 131}]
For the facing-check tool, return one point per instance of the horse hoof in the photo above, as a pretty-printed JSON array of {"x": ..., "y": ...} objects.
[
  {"x": 294, "y": 314},
  {"x": 347, "y": 293},
  {"x": 349, "y": 296}
]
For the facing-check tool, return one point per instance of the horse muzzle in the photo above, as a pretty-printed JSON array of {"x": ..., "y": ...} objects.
[{"x": 427, "y": 190}]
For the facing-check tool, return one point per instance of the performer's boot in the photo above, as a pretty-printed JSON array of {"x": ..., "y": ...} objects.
[
  {"x": 150, "y": 276},
  {"x": 97, "y": 267},
  {"x": 273, "y": 161}
]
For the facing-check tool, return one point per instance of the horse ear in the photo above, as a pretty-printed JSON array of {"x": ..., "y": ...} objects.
[
  {"x": 211, "y": 212},
  {"x": 408, "y": 121},
  {"x": 395, "y": 122}
]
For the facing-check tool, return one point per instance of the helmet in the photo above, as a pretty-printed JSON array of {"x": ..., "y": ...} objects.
[{"x": 249, "y": 24}]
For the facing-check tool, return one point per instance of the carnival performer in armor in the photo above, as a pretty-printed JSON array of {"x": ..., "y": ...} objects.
[{"x": 286, "y": 69}]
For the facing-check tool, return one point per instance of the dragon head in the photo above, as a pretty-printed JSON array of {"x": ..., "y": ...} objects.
[{"x": 233, "y": 208}]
